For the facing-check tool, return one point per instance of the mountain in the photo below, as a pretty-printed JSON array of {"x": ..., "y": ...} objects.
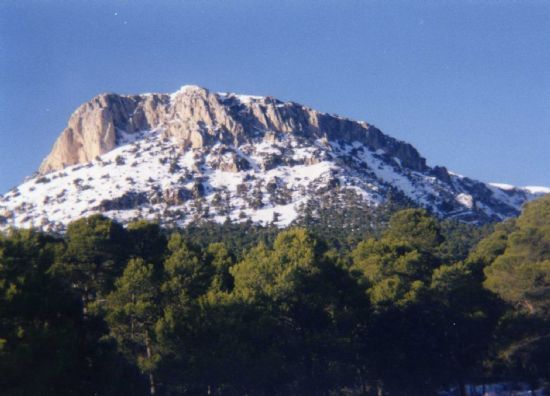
[{"x": 197, "y": 154}]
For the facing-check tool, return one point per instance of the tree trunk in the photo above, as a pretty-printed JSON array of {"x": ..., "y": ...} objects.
[
  {"x": 462, "y": 388},
  {"x": 362, "y": 381},
  {"x": 84, "y": 299},
  {"x": 379, "y": 390},
  {"x": 132, "y": 320},
  {"x": 152, "y": 387}
]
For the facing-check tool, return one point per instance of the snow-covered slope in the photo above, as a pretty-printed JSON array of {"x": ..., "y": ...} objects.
[{"x": 221, "y": 162}]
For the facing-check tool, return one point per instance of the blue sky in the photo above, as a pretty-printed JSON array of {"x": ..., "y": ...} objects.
[{"x": 466, "y": 82}]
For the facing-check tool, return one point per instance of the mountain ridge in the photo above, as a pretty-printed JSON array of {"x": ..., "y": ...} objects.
[
  {"x": 197, "y": 154},
  {"x": 192, "y": 113}
]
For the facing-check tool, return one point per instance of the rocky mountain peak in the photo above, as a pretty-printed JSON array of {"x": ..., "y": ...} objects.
[
  {"x": 98, "y": 126},
  {"x": 197, "y": 117},
  {"x": 200, "y": 155}
]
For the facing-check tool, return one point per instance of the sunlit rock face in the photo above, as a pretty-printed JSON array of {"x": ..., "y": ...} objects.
[
  {"x": 97, "y": 127},
  {"x": 201, "y": 155},
  {"x": 197, "y": 118}
]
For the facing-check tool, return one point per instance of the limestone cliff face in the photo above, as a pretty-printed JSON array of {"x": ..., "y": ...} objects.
[
  {"x": 95, "y": 127},
  {"x": 198, "y": 155},
  {"x": 197, "y": 118}
]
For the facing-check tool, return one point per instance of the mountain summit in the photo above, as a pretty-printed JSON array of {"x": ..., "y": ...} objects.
[
  {"x": 197, "y": 118},
  {"x": 197, "y": 154}
]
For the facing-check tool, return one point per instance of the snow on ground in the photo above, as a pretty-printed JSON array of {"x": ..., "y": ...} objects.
[
  {"x": 142, "y": 164},
  {"x": 149, "y": 176},
  {"x": 184, "y": 89},
  {"x": 516, "y": 196},
  {"x": 503, "y": 186},
  {"x": 466, "y": 200},
  {"x": 537, "y": 189},
  {"x": 246, "y": 99}
]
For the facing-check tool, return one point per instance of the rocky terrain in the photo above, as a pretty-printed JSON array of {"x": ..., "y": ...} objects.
[{"x": 197, "y": 154}]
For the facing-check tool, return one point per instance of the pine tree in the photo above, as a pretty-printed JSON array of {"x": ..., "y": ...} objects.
[
  {"x": 94, "y": 257},
  {"x": 132, "y": 311}
]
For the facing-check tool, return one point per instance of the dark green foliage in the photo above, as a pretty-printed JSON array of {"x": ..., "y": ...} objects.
[
  {"x": 38, "y": 316},
  {"x": 433, "y": 321},
  {"x": 315, "y": 325},
  {"x": 147, "y": 240},
  {"x": 416, "y": 228},
  {"x": 237, "y": 237},
  {"x": 131, "y": 310},
  {"x": 95, "y": 254},
  {"x": 521, "y": 273},
  {"x": 221, "y": 261},
  {"x": 47, "y": 347},
  {"x": 357, "y": 303},
  {"x": 460, "y": 239},
  {"x": 517, "y": 269},
  {"x": 343, "y": 218}
]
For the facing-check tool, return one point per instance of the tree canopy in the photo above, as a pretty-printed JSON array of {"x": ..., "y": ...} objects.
[{"x": 413, "y": 306}]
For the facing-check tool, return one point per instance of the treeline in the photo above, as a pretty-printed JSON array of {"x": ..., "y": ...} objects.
[{"x": 247, "y": 310}]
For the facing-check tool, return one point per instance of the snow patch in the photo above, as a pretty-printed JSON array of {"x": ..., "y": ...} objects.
[
  {"x": 465, "y": 200},
  {"x": 150, "y": 176},
  {"x": 247, "y": 99},
  {"x": 537, "y": 189},
  {"x": 503, "y": 186},
  {"x": 185, "y": 89}
]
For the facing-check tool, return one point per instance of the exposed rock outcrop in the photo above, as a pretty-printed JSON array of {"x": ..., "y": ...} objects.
[
  {"x": 96, "y": 127},
  {"x": 197, "y": 118},
  {"x": 129, "y": 200},
  {"x": 197, "y": 155},
  {"x": 176, "y": 196}
]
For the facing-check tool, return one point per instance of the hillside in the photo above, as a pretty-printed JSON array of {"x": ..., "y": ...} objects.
[{"x": 197, "y": 154}]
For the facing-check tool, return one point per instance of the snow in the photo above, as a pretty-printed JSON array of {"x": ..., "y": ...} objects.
[
  {"x": 124, "y": 138},
  {"x": 503, "y": 186},
  {"x": 505, "y": 192},
  {"x": 230, "y": 180},
  {"x": 137, "y": 166},
  {"x": 398, "y": 161},
  {"x": 389, "y": 175},
  {"x": 465, "y": 200},
  {"x": 303, "y": 173},
  {"x": 455, "y": 174},
  {"x": 537, "y": 189},
  {"x": 247, "y": 99},
  {"x": 185, "y": 89},
  {"x": 287, "y": 214},
  {"x": 150, "y": 163},
  {"x": 529, "y": 189}
]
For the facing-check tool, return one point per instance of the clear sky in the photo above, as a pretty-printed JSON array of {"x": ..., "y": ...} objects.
[{"x": 466, "y": 82}]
